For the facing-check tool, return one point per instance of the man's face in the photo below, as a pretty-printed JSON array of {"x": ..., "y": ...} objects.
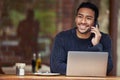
[{"x": 84, "y": 20}]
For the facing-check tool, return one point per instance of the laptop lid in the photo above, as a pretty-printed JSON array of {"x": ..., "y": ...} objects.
[{"x": 86, "y": 63}]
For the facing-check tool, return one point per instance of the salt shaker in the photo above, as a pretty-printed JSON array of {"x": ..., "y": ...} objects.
[{"x": 20, "y": 71}]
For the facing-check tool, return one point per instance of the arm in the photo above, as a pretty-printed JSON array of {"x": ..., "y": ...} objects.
[
  {"x": 102, "y": 43},
  {"x": 58, "y": 57},
  {"x": 104, "y": 46},
  {"x": 107, "y": 48}
]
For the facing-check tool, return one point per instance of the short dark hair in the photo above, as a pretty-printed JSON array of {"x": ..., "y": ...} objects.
[{"x": 90, "y": 6}]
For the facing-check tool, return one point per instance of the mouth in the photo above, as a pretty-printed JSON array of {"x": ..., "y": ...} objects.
[{"x": 82, "y": 27}]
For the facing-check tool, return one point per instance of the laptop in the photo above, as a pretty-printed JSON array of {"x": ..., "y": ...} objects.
[{"x": 86, "y": 63}]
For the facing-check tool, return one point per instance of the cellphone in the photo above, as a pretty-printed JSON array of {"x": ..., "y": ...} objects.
[{"x": 96, "y": 24}]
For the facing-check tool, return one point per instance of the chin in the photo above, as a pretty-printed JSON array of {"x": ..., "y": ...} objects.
[{"x": 83, "y": 32}]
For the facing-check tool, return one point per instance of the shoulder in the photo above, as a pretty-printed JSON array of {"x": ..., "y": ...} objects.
[
  {"x": 22, "y": 22},
  {"x": 65, "y": 34},
  {"x": 105, "y": 37}
]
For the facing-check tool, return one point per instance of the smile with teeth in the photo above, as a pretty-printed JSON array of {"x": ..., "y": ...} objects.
[{"x": 82, "y": 27}]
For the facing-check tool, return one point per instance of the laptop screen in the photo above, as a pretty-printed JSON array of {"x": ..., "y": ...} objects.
[{"x": 86, "y": 63}]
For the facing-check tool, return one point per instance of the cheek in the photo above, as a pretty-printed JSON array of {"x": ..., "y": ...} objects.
[
  {"x": 77, "y": 20},
  {"x": 91, "y": 23}
]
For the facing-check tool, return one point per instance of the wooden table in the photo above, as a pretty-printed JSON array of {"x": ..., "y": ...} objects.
[{"x": 34, "y": 77}]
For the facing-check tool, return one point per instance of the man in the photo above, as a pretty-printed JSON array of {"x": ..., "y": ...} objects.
[
  {"x": 84, "y": 37},
  {"x": 27, "y": 32}
]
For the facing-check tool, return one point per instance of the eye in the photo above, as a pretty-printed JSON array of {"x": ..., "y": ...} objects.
[
  {"x": 89, "y": 18},
  {"x": 80, "y": 16}
]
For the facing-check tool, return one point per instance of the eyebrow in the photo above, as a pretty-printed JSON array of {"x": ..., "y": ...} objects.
[{"x": 87, "y": 15}]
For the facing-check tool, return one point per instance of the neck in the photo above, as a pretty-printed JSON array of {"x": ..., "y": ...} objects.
[{"x": 83, "y": 36}]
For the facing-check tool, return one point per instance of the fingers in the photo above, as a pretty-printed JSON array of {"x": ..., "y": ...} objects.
[
  {"x": 97, "y": 36},
  {"x": 95, "y": 29}
]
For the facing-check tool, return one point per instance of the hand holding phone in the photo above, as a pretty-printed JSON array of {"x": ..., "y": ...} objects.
[{"x": 97, "y": 35}]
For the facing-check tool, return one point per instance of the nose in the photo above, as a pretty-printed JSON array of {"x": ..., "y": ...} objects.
[{"x": 83, "y": 20}]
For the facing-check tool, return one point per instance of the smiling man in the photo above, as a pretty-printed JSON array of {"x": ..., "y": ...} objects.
[{"x": 85, "y": 36}]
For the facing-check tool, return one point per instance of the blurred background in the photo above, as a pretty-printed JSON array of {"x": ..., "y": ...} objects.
[{"x": 29, "y": 26}]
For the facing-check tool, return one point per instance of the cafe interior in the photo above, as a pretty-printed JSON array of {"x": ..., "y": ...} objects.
[{"x": 19, "y": 40}]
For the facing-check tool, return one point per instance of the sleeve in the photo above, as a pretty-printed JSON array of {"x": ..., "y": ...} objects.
[
  {"x": 98, "y": 47},
  {"x": 58, "y": 57},
  {"x": 108, "y": 48}
]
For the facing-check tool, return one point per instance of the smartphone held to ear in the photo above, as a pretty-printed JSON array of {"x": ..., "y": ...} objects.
[{"x": 96, "y": 24}]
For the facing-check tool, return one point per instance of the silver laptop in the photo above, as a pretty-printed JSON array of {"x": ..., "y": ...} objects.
[{"x": 86, "y": 63}]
